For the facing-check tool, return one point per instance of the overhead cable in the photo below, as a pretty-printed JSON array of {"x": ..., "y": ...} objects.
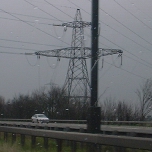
[{"x": 32, "y": 26}]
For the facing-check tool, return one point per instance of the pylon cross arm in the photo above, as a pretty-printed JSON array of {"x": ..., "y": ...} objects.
[
  {"x": 105, "y": 52},
  {"x": 68, "y": 52},
  {"x": 77, "y": 24}
]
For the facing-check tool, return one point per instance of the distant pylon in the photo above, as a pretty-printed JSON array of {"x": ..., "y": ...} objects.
[{"x": 77, "y": 82}]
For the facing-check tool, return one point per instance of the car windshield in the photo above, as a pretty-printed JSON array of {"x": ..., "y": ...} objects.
[{"x": 42, "y": 116}]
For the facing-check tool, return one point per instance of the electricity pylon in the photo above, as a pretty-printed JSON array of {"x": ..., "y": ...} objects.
[{"x": 77, "y": 82}]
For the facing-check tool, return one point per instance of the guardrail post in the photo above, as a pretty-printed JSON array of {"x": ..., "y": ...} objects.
[
  {"x": 51, "y": 128},
  {"x": 46, "y": 142},
  {"x": 56, "y": 128},
  {"x": 13, "y": 138},
  {"x": 67, "y": 129},
  {"x": 5, "y": 136},
  {"x": 13, "y": 125},
  {"x": 81, "y": 130},
  {"x": 132, "y": 134},
  {"x": 73, "y": 146},
  {"x": 36, "y": 127},
  {"x": 133, "y": 150},
  {"x": 93, "y": 148},
  {"x": 98, "y": 147},
  {"x": 28, "y": 126},
  {"x": 33, "y": 141},
  {"x": 22, "y": 139},
  {"x": 59, "y": 145},
  {"x": 120, "y": 149},
  {"x": 46, "y": 127},
  {"x": 115, "y": 132}
]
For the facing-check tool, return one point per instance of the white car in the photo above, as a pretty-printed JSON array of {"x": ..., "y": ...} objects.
[{"x": 40, "y": 118}]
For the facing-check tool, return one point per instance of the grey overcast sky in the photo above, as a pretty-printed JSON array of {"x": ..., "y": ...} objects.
[{"x": 26, "y": 26}]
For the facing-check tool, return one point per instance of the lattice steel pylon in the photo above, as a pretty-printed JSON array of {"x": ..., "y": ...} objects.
[
  {"x": 77, "y": 81},
  {"x": 77, "y": 84}
]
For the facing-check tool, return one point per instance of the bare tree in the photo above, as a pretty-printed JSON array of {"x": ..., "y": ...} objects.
[
  {"x": 118, "y": 110},
  {"x": 109, "y": 109},
  {"x": 2, "y": 102},
  {"x": 57, "y": 103},
  {"x": 144, "y": 94},
  {"x": 136, "y": 113},
  {"x": 124, "y": 111}
]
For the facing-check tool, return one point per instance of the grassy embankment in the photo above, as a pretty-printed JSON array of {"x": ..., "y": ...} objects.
[
  {"x": 8, "y": 146},
  {"x": 16, "y": 147}
]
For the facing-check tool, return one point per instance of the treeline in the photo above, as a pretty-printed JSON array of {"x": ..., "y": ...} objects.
[
  {"x": 112, "y": 110},
  {"x": 55, "y": 104}
]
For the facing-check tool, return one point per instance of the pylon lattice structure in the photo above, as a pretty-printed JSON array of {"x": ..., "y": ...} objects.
[
  {"x": 77, "y": 79},
  {"x": 77, "y": 82}
]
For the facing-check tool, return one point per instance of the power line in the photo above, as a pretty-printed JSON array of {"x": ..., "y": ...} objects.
[
  {"x": 126, "y": 28},
  {"x": 115, "y": 29},
  {"x": 62, "y": 6},
  {"x": 127, "y": 71},
  {"x": 42, "y": 44},
  {"x": 41, "y": 10},
  {"x": 15, "y": 53},
  {"x": 25, "y": 21},
  {"x": 67, "y": 7},
  {"x": 106, "y": 25},
  {"x": 33, "y": 43},
  {"x": 57, "y": 8},
  {"x": 121, "y": 34},
  {"x": 16, "y": 48},
  {"x": 33, "y": 26},
  {"x": 133, "y": 4},
  {"x": 77, "y": 75},
  {"x": 147, "y": 65},
  {"x": 120, "y": 69},
  {"x": 30, "y": 63},
  {"x": 128, "y": 52},
  {"x": 132, "y": 15},
  {"x": 31, "y": 16},
  {"x": 139, "y": 61}
]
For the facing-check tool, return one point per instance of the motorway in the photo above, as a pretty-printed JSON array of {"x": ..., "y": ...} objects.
[{"x": 105, "y": 129}]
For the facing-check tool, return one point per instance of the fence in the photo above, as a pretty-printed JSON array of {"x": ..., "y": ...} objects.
[{"x": 95, "y": 142}]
